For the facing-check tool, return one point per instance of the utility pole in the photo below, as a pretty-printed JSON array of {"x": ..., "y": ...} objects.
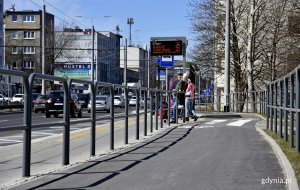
[
  {"x": 125, "y": 63},
  {"x": 43, "y": 48},
  {"x": 227, "y": 58},
  {"x": 130, "y": 22},
  {"x": 93, "y": 47}
]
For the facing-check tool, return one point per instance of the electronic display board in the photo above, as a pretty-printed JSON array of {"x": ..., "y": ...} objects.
[{"x": 166, "y": 48}]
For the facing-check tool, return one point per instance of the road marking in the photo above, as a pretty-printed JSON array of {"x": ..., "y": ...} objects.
[
  {"x": 215, "y": 121},
  {"x": 10, "y": 140},
  {"x": 56, "y": 127},
  {"x": 239, "y": 122},
  {"x": 3, "y": 120}
]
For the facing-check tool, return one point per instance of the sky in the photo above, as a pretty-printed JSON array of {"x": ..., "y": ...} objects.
[{"x": 152, "y": 18}]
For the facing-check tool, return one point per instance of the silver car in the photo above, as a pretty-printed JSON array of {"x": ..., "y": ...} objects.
[{"x": 102, "y": 104}]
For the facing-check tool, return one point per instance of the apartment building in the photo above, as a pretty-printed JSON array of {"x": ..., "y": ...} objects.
[{"x": 23, "y": 41}]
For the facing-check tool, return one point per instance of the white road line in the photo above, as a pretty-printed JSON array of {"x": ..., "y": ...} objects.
[
  {"x": 10, "y": 140},
  {"x": 3, "y": 121},
  {"x": 56, "y": 127},
  {"x": 43, "y": 133},
  {"x": 215, "y": 121},
  {"x": 239, "y": 123}
]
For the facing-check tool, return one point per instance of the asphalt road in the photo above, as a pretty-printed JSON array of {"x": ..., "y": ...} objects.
[
  {"x": 212, "y": 154},
  {"x": 16, "y": 119}
]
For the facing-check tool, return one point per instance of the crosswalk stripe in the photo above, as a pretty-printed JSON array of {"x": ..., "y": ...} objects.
[
  {"x": 215, "y": 121},
  {"x": 239, "y": 122}
]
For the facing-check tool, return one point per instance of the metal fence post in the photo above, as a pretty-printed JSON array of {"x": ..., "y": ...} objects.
[
  {"x": 145, "y": 112},
  {"x": 285, "y": 110},
  {"x": 126, "y": 116},
  {"x": 275, "y": 109},
  {"x": 112, "y": 120},
  {"x": 66, "y": 133},
  {"x": 151, "y": 108},
  {"x": 93, "y": 116},
  {"x": 297, "y": 111},
  {"x": 267, "y": 104},
  {"x": 292, "y": 83},
  {"x": 156, "y": 108},
  {"x": 280, "y": 109},
  {"x": 137, "y": 108},
  {"x": 27, "y": 132},
  {"x": 161, "y": 108},
  {"x": 271, "y": 108},
  {"x": 169, "y": 107}
]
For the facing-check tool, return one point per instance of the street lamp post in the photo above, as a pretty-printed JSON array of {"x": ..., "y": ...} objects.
[
  {"x": 130, "y": 22},
  {"x": 227, "y": 58}
]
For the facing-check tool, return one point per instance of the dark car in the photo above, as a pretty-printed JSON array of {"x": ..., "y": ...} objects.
[
  {"x": 84, "y": 99},
  {"x": 55, "y": 104},
  {"x": 39, "y": 103}
]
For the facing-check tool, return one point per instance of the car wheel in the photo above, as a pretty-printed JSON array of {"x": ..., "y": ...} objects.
[
  {"x": 56, "y": 115},
  {"x": 89, "y": 111},
  {"x": 108, "y": 110},
  {"x": 72, "y": 112},
  {"x": 35, "y": 111},
  {"x": 79, "y": 113},
  {"x": 48, "y": 115}
]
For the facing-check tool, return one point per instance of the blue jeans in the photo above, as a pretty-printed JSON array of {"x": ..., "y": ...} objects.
[
  {"x": 189, "y": 107},
  {"x": 174, "y": 102}
]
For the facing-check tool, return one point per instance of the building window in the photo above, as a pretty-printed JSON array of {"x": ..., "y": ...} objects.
[
  {"x": 28, "y": 18},
  {"x": 28, "y": 34},
  {"x": 28, "y": 50},
  {"x": 14, "y": 18},
  {"x": 28, "y": 64},
  {"x": 14, "y": 34},
  {"x": 14, "y": 50},
  {"x": 14, "y": 64}
]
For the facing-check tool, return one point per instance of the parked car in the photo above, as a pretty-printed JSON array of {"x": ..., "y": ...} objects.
[
  {"x": 4, "y": 100},
  {"x": 132, "y": 101},
  {"x": 84, "y": 99},
  {"x": 39, "y": 103},
  {"x": 18, "y": 98},
  {"x": 102, "y": 104},
  {"x": 119, "y": 101},
  {"x": 55, "y": 104}
]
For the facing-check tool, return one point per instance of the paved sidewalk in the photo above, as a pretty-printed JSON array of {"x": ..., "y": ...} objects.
[{"x": 180, "y": 157}]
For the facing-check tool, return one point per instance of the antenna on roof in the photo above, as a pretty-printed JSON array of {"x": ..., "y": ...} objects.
[{"x": 12, "y": 7}]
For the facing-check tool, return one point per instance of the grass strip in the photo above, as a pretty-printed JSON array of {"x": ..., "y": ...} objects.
[{"x": 290, "y": 153}]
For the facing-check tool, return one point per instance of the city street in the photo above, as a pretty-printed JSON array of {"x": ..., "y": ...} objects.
[{"x": 16, "y": 118}]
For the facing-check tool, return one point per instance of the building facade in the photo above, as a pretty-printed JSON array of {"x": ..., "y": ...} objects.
[
  {"x": 74, "y": 59},
  {"x": 137, "y": 61},
  {"x": 23, "y": 41}
]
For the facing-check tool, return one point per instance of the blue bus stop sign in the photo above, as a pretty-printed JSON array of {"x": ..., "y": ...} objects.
[{"x": 167, "y": 61}]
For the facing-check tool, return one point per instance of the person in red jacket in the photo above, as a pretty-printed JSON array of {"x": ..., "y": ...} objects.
[{"x": 189, "y": 101}]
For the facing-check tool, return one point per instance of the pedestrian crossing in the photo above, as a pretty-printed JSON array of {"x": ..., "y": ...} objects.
[{"x": 219, "y": 123}]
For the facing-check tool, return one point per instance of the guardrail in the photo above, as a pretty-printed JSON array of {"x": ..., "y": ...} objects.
[
  {"x": 283, "y": 104},
  {"x": 27, "y": 126}
]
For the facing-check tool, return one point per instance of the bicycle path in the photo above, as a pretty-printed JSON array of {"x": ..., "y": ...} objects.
[{"x": 210, "y": 154}]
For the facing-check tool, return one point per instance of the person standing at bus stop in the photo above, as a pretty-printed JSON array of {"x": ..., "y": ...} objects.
[{"x": 190, "y": 101}]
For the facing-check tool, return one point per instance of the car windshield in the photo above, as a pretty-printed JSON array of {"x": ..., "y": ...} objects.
[
  {"x": 101, "y": 98},
  {"x": 83, "y": 96},
  {"x": 56, "y": 94},
  {"x": 42, "y": 97},
  {"x": 117, "y": 98},
  {"x": 19, "y": 96}
]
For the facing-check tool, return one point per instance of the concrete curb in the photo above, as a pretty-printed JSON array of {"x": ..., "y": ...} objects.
[{"x": 284, "y": 162}]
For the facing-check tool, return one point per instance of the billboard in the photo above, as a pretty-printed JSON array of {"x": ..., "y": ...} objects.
[{"x": 77, "y": 71}]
